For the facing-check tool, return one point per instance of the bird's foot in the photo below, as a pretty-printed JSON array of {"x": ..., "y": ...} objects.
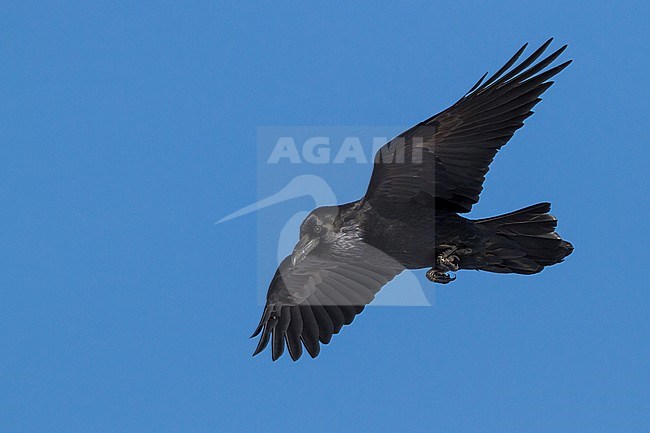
[
  {"x": 448, "y": 262},
  {"x": 437, "y": 276}
]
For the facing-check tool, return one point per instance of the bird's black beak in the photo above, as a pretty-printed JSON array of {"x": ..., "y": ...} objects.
[{"x": 303, "y": 248}]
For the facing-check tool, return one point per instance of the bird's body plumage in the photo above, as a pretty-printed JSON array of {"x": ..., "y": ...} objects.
[{"x": 408, "y": 218}]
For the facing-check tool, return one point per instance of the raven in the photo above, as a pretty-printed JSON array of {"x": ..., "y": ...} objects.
[{"x": 409, "y": 217}]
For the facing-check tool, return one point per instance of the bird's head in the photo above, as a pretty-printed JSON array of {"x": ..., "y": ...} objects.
[{"x": 316, "y": 231}]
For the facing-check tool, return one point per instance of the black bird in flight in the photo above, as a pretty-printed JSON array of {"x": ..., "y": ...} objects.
[{"x": 409, "y": 217}]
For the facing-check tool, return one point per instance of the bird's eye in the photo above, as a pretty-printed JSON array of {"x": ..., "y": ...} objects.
[{"x": 317, "y": 229}]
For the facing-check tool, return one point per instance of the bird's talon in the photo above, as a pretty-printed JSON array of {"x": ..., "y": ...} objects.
[
  {"x": 453, "y": 261},
  {"x": 437, "y": 276},
  {"x": 448, "y": 262}
]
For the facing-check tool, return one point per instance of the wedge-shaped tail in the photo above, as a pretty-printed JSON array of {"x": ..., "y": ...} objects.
[{"x": 523, "y": 241}]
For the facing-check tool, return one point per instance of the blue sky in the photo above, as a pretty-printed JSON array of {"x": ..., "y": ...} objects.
[{"x": 129, "y": 129}]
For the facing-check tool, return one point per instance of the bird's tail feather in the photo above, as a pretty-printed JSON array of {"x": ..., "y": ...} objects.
[{"x": 523, "y": 241}]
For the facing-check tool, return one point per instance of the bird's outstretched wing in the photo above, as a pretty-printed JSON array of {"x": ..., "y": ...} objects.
[
  {"x": 442, "y": 161},
  {"x": 309, "y": 302}
]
